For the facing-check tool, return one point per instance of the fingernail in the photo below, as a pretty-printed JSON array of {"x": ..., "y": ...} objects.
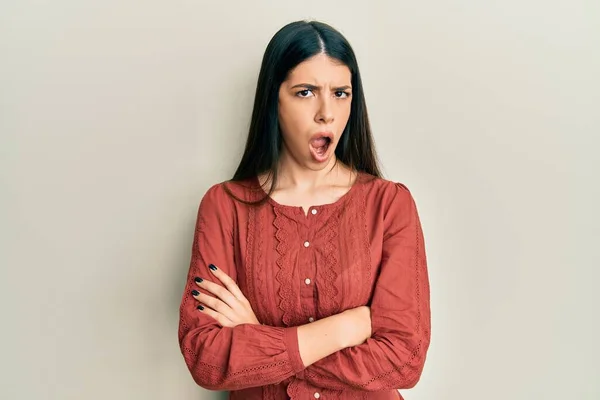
[
  {"x": 195, "y": 292},
  {"x": 211, "y": 266},
  {"x": 200, "y": 307},
  {"x": 199, "y": 280}
]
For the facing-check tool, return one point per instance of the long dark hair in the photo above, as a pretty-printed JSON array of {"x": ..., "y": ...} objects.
[{"x": 291, "y": 45}]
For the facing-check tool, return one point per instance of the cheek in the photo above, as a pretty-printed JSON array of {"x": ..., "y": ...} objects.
[
  {"x": 286, "y": 123},
  {"x": 343, "y": 115},
  {"x": 293, "y": 120}
]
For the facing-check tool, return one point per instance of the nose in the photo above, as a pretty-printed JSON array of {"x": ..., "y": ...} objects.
[{"x": 325, "y": 112}]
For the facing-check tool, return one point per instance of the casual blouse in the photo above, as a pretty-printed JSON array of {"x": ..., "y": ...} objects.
[{"x": 366, "y": 248}]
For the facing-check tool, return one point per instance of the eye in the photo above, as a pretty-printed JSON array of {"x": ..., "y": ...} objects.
[
  {"x": 304, "y": 93},
  {"x": 341, "y": 94}
]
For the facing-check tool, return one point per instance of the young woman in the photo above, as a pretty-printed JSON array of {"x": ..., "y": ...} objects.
[{"x": 308, "y": 276}]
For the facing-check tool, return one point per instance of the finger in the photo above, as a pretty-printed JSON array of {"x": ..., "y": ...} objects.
[
  {"x": 219, "y": 291},
  {"x": 220, "y": 318},
  {"x": 215, "y": 304},
  {"x": 228, "y": 282}
]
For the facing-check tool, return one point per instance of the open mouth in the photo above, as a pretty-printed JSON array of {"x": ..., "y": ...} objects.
[{"x": 320, "y": 145}]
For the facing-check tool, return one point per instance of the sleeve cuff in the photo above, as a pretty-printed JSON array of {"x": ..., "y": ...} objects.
[{"x": 290, "y": 338}]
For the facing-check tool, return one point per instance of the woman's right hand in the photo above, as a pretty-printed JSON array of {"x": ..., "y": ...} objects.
[{"x": 357, "y": 325}]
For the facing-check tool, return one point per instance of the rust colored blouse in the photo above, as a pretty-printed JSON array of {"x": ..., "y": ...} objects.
[{"x": 366, "y": 248}]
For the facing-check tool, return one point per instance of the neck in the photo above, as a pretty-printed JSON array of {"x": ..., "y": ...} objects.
[{"x": 291, "y": 174}]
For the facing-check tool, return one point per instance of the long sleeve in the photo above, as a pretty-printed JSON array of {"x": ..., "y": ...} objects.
[
  {"x": 221, "y": 358},
  {"x": 394, "y": 356}
]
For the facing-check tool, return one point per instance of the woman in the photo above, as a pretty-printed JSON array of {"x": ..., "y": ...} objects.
[{"x": 308, "y": 276}]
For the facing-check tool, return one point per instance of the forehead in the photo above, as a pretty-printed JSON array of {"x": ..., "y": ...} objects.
[{"x": 320, "y": 69}]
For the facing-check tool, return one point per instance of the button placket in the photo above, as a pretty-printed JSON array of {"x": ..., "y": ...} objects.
[{"x": 307, "y": 244}]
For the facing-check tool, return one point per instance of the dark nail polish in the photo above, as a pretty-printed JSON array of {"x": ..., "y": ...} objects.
[
  {"x": 211, "y": 266},
  {"x": 195, "y": 292},
  {"x": 199, "y": 280},
  {"x": 200, "y": 307}
]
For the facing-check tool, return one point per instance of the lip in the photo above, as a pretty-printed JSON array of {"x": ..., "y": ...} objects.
[
  {"x": 321, "y": 158},
  {"x": 318, "y": 135}
]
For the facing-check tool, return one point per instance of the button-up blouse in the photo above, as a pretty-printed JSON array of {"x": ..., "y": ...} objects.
[{"x": 366, "y": 248}]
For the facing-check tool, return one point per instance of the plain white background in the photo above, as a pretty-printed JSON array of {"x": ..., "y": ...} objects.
[{"x": 116, "y": 116}]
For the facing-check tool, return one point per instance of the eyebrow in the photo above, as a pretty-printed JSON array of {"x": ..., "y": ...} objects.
[{"x": 313, "y": 87}]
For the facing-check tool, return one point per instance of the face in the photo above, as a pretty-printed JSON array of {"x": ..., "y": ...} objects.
[{"x": 314, "y": 107}]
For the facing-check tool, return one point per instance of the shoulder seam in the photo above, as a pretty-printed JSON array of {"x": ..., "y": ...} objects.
[{"x": 402, "y": 186}]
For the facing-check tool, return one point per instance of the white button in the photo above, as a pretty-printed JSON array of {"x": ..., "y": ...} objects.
[
  {"x": 317, "y": 395},
  {"x": 311, "y": 319},
  {"x": 306, "y": 244},
  {"x": 307, "y": 281},
  {"x": 313, "y": 211}
]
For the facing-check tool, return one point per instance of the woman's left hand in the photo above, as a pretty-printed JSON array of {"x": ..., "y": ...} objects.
[{"x": 230, "y": 307}]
